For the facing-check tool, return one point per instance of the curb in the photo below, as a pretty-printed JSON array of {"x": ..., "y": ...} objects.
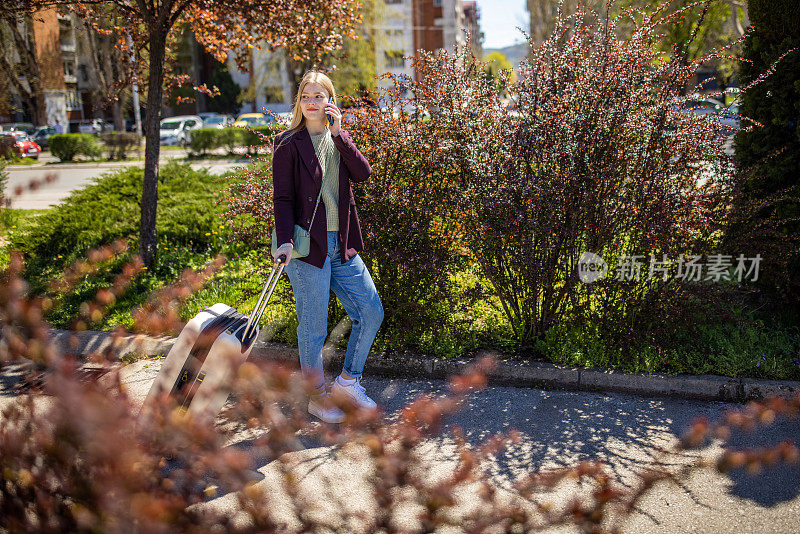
[{"x": 507, "y": 372}]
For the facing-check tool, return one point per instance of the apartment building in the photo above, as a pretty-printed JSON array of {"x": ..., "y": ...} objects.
[
  {"x": 48, "y": 46},
  {"x": 267, "y": 84},
  {"x": 68, "y": 75},
  {"x": 472, "y": 22},
  {"x": 76, "y": 87},
  {"x": 396, "y": 42},
  {"x": 438, "y": 24},
  {"x": 431, "y": 25}
]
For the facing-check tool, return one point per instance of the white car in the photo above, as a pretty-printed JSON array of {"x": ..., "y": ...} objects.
[
  {"x": 217, "y": 121},
  {"x": 177, "y": 130},
  {"x": 95, "y": 126}
]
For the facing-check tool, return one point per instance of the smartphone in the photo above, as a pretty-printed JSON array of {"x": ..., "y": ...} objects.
[{"x": 330, "y": 117}]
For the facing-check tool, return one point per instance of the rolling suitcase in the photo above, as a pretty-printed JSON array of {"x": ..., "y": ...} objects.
[{"x": 214, "y": 343}]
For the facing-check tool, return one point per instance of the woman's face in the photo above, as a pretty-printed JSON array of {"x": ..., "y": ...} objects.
[{"x": 312, "y": 102}]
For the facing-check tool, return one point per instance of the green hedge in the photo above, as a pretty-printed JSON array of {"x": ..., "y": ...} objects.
[
  {"x": 120, "y": 144},
  {"x": 253, "y": 138},
  {"x": 109, "y": 209},
  {"x": 66, "y": 146},
  {"x": 208, "y": 139},
  {"x": 3, "y": 178},
  {"x": 204, "y": 139}
]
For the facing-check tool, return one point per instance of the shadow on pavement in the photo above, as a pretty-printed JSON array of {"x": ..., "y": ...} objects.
[
  {"x": 560, "y": 428},
  {"x": 775, "y": 484}
]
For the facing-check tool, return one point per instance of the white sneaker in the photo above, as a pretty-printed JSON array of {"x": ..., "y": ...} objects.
[
  {"x": 323, "y": 409},
  {"x": 355, "y": 392}
]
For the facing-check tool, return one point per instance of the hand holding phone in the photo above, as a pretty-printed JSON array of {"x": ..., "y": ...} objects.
[{"x": 330, "y": 117}]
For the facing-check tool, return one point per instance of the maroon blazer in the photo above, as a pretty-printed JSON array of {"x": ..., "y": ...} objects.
[{"x": 297, "y": 180}]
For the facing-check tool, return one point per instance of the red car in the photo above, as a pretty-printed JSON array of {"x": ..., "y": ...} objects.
[{"x": 23, "y": 145}]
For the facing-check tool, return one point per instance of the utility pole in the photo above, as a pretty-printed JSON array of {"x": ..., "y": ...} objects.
[{"x": 137, "y": 115}]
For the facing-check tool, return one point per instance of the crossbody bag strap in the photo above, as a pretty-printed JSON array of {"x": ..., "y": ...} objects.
[
  {"x": 319, "y": 196},
  {"x": 316, "y": 206}
]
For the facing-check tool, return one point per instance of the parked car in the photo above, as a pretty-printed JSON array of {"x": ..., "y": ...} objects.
[
  {"x": 95, "y": 126},
  {"x": 217, "y": 121},
  {"x": 24, "y": 147},
  {"x": 252, "y": 120},
  {"x": 177, "y": 130},
  {"x": 26, "y": 127},
  {"x": 703, "y": 106},
  {"x": 42, "y": 136}
]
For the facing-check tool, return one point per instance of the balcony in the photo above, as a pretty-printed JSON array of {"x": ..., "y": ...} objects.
[
  {"x": 68, "y": 46},
  {"x": 70, "y": 78}
]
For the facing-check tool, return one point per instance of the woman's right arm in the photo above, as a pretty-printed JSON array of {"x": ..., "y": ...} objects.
[{"x": 283, "y": 191}]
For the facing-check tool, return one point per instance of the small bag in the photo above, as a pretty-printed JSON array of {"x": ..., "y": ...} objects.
[{"x": 301, "y": 238}]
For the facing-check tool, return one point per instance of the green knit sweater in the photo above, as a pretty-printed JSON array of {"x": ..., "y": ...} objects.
[{"x": 328, "y": 158}]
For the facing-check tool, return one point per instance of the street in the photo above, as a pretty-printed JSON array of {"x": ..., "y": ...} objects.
[{"x": 74, "y": 176}]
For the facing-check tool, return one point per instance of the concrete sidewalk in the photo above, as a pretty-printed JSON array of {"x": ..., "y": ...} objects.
[{"x": 508, "y": 372}]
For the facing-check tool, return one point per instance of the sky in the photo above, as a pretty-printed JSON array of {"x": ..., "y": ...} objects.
[{"x": 499, "y": 19}]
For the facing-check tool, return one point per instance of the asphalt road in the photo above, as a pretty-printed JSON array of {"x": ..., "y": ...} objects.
[
  {"x": 69, "y": 178},
  {"x": 559, "y": 428}
]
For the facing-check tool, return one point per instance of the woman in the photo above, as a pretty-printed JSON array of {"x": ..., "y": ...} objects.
[{"x": 312, "y": 167}]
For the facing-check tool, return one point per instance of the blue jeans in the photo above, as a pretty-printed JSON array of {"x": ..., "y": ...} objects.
[{"x": 353, "y": 286}]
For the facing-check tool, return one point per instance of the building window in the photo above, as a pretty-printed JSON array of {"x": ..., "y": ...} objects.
[
  {"x": 437, "y": 3},
  {"x": 273, "y": 94},
  {"x": 69, "y": 68},
  {"x": 393, "y": 1},
  {"x": 394, "y": 58},
  {"x": 84, "y": 72},
  {"x": 73, "y": 100}
]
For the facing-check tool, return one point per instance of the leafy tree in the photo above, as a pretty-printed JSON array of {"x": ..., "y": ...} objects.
[
  {"x": 495, "y": 63},
  {"x": 355, "y": 66},
  {"x": 307, "y": 29},
  {"x": 112, "y": 70},
  {"x": 6, "y": 104},
  {"x": 227, "y": 99},
  {"x": 18, "y": 59},
  {"x": 691, "y": 29},
  {"x": 544, "y": 15},
  {"x": 768, "y": 207}
]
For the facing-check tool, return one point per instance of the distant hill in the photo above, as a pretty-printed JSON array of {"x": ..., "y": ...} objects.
[{"x": 514, "y": 53}]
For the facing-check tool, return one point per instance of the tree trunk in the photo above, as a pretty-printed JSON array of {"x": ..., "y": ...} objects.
[
  {"x": 31, "y": 92},
  {"x": 116, "y": 110},
  {"x": 155, "y": 93},
  {"x": 34, "y": 76}
]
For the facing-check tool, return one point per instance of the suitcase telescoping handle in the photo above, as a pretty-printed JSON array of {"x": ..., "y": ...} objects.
[{"x": 263, "y": 299}]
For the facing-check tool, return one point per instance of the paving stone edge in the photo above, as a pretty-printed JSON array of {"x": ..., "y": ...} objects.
[{"x": 508, "y": 372}]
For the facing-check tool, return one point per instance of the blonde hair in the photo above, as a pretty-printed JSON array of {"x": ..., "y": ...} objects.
[{"x": 298, "y": 121}]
